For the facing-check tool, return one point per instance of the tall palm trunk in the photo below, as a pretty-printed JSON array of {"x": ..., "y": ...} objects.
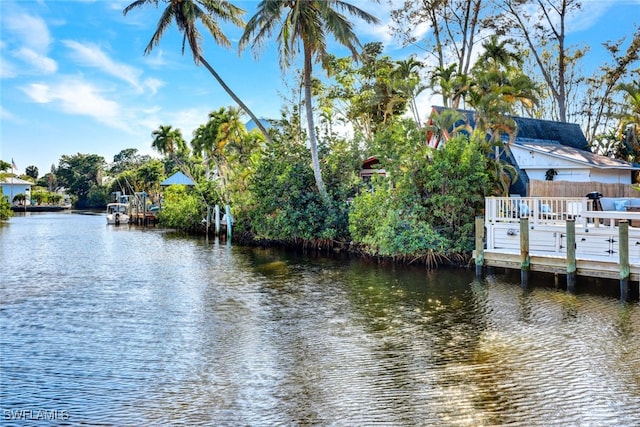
[
  {"x": 312, "y": 131},
  {"x": 235, "y": 98}
]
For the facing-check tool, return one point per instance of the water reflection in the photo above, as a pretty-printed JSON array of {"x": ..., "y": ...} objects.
[{"x": 126, "y": 326}]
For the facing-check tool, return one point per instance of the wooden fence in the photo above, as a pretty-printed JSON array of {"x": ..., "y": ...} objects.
[{"x": 579, "y": 189}]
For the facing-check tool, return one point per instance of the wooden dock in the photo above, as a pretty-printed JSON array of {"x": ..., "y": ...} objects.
[
  {"x": 560, "y": 236},
  {"x": 143, "y": 218}
]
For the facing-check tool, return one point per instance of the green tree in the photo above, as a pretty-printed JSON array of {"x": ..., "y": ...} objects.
[
  {"x": 428, "y": 212},
  {"x": 498, "y": 84},
  {"x": 5, "y": 209},
  {"x": 186, "y": 14},
  {"x": 4, "y": 166},
  {"x": 32, "y": 171},
  {"x": 376, "y": 93},
  {"x": 79, "y": 174},
  {"x": 628, "y": 132},
  {"x": 127, "y": 159},
  {"x": 307, "y": 22},
  {"x": 181, "y": 209},
  {"x": 223, "y": 134},
  {"x": 49, "y": 180},
  {"x": 601, "y": 106},
  {"x": 169, "y": 142},
  {"x": 545, "y": 39},
  {"x": 455, "y": 26},
  {"x": 285, "y": 205},
  {"x": 408, "y": 81},
  {"x": 19, "y": 198},
  {"x": 148, "y": 176},
  {"x": 40, "y": 197}
]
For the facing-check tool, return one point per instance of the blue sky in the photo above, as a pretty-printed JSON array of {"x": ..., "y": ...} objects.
[{"x": 73, "y": 77}]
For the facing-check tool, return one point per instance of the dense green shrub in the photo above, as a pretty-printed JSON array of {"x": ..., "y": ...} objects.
[
  {"x": 456, "y": 181},
  {"x": 5, "y": 209},
  {"x": 182, "y": 209},
  {"x": 285, "y": 205},
  {"x": 429, "y": 210},
  {"x": 97, "y": 198},
  {"x": 385, "y": 223}
]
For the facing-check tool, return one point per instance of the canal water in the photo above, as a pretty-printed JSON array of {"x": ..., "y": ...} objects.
[{"x": 126, "y": 326}]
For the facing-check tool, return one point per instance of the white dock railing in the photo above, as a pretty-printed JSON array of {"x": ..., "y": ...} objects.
[
  {"x": 547, "y": 219},
  {"x": 539, "y": 210}
]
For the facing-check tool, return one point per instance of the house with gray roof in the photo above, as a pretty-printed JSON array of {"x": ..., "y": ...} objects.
[{"x": 549, "y": 150}]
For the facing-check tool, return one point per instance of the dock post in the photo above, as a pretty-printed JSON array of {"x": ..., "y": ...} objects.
[
  {"x": 144, "y": 208},
  {"x": 525, "y": 260},
  {"x": 479, "y": 245},
  {"x": 227, "y": 211},
  {"x": 571, "y": 254},
  {"x": 625, "y": 270},
  {"x": 217, "y": 219}
]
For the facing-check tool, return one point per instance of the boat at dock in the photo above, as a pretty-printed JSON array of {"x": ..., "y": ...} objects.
[{"x": 118, "y": 213}]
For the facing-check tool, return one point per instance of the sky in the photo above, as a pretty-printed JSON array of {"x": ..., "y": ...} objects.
[{"x": 74, "y": 77}]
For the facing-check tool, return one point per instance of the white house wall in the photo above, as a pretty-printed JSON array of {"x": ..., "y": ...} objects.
[
  {"x": 536, "y": 165},
  {"x": 528, "y": 159},
  {"x": 609, "y": 176},
  {"x": 573, "y": 175},
  {"x": 11, "y": 190}
]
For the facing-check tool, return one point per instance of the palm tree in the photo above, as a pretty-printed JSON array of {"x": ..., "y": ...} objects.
[
  {"x": 168, "y": 141},
  {"x": 629, "y": 127},
  {"x": 222, "y": 134},
  {"x": 186, "y": 14},
  {"x": 305, "y": 22},
  {"x": 409, "y": 82}
]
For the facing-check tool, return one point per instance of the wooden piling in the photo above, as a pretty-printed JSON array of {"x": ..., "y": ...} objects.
[
  {"x": 525, "y": 260},
  {"x": 625, "y": 269},
  {"x": 571, "y": 254},
  {"x": 479, "y": 245}
]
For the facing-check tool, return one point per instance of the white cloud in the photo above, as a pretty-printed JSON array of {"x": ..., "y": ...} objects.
[
  {"x": 26, "y": 38},
  {"x": 157, "y": 60},
  {"x": 588, "y": 16},
  {"x": 92, "y": 56},
  {"x": 153, "y": 84},
  {"x": 40, "y": 63},
  {"x": 78, "y": 97},
  {"x": 7, "y": 68},
  {"x": 31, "y": 30},
  {"x": 8, "y": 115}
]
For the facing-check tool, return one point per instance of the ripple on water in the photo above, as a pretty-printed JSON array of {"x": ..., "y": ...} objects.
[{"x": 141, "y": 327}]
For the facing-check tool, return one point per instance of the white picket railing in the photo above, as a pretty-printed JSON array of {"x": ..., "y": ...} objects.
[
  {"x": 539, "y": 210},
  {"x": 596, "y": 230}
]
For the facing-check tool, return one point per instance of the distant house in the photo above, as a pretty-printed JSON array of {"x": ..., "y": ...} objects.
[
  {"x": 11, "y": 186},
  {"x": 177, "y": 178},
  {"x": 369, "y": 169},
  {"x": 549, "y": 150}
]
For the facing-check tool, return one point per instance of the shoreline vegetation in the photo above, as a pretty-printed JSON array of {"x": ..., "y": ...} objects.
[{"x": 297, "y": 180}]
